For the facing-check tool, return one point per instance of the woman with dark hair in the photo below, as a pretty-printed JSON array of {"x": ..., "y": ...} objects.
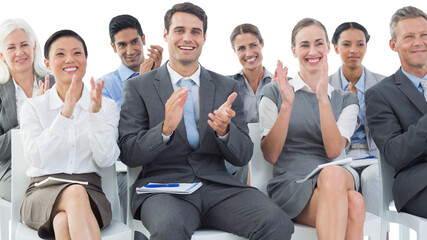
[
  {"x": 350, "y": 42},
  {"x": 247, "y": 43},
  {"x": 305, "y": 122},
  {"x": 22, "y": 76},
  {"x": 68, "y": 133}
]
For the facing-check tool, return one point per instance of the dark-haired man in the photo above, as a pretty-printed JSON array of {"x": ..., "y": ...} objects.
[
  {"x": 182, "y": 133},
  {"x": 127, "y": 40}
]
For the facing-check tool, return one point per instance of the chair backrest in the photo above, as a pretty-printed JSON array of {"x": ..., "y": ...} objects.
[
  {"x": 261, "y": 171},
  {"x": 387, "y": 179},
  {"x": 20, "y": 182},
  {"x": 132, "y": 175}
]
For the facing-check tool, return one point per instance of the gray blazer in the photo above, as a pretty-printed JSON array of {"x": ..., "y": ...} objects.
[
  {"x": 397, "y": 117},
  {"x": 140, "y": 138},
  {"x": 371, "y": 80},
  {"x": 8, "y": 121}
]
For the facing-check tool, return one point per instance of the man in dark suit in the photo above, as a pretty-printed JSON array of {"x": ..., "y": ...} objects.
[
  {"x": 174, "y": 145},
  {"x": 396, "y": 111}
]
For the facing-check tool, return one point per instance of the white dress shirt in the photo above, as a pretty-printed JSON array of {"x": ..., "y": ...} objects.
[
  {"x": 21, "y": 96},
  {"x": 346, "y": 122},
  {"x": 83, "y": 143}
]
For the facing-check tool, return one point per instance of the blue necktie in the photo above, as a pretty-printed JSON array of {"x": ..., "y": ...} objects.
[
  {"x": 189, "y": 114},
  {"x": 133, "y": 75}
]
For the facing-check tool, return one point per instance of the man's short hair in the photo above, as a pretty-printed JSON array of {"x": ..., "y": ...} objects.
[
  {"x": 121, "y": 22},
  {"x": 402, "y": 14},
  {"x": 190, "y": 8}
]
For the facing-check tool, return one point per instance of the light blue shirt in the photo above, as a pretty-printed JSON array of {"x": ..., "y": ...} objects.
[
  {"x": 359, "y": 135},
  {"x": 415, "y": 80},
  {"x": 114, "y": 81}
]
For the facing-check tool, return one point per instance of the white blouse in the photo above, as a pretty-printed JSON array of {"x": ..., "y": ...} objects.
[{"x": 83, "y": 143}]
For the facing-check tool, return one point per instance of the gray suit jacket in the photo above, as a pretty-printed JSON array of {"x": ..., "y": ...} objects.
[
  {"x": 8, "y": 121},
  {"x": 371, "y": 79},
  {"x": 396, "y": 112},
  {"x": 140, "y": 138}
]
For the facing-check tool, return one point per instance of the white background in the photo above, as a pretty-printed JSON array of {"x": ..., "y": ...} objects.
[{"x": 274, "y": 18}]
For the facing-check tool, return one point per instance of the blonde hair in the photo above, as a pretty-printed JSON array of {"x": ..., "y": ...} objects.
[{"x": 6, "y": 28}]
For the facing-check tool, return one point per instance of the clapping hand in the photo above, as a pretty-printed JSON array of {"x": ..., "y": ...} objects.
[
  {"x": 71, "y": 98},
  {"x": 96, "y": 94},
  {"x": 322, "y": 85},
  {"x": 43, "y": 86},
  {"x": 154, "y": 59},
  {"x": 286, "y": 91},
  {"x": 220, "y": 119}
]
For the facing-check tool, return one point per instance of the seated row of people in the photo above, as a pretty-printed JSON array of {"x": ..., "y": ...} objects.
[{"x": 180, "y": 121}]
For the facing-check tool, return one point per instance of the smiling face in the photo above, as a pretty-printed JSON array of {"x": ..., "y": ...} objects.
[
  {"x": 128, "y": 45},
  {"x": 411, "y": 44},
  {"x": 310, "y": 47},
  {"x": 18, "y": 52},
  {"x": 249, "y": 50},
  {"x": 66, "y": 58},
  {"x": 185, "y": 38},
  {"x": 351, "y": 47}
]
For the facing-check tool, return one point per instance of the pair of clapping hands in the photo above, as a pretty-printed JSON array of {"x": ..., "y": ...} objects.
[
  {"x": 286, "y": 91},
  {"x": 73, "y": 95}
]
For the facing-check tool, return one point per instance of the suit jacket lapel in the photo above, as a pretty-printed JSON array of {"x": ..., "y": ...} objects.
[
  {"x": 164, "y": 89},
  {"x": 410, "y": 91},
  {"x": 8, "y": 99},
  {"x": 371, "y": 79},
  {"x": 207, "y": 97},
  {"x": 336, "y": 80}
]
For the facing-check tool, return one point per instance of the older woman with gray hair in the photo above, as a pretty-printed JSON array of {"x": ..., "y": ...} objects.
[{"x": 22, "y": 76}]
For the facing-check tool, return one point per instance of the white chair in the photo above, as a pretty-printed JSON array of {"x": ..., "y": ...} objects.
[
  {"x": 19, "y": 231},
  {"x": 262, "y": 172},
  {"x": 136, "y": 225},
  {"x": 5, "y": 208},
  {"x": 388, "y": 212}
]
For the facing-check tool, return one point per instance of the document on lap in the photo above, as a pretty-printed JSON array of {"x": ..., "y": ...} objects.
[
  {"x": 172, "y": 188},
  {"x": 53, "y": 180},
  {"x": 361, "y": 162},
  {"x": 341, "y": 162}
]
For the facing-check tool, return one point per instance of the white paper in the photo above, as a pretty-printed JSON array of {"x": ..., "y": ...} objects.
[
  {"x": 183, "y": 188},
  {"x": 53, "y": 180},
  {"x": 340, "y": 162},
  {"x": 363, "y": 162}
]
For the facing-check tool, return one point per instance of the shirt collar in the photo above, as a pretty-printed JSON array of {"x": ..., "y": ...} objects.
[
  {"x": 360, "y": 85},
  {"x": 124, "y": 72},
  {"x": 414, "y": 79},
  {"x": 175, "y": 77},
  {"x": 56, "y": 102},
  {"x": 299, "y": 84},
  {"x": 35, "y": 86},
  {"x": 267, "y": 74}
]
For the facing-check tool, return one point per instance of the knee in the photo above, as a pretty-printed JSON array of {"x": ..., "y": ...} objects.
[
  {"x": 276, "y": 224},
  {"x": 356, "y": 206},
  {"x": 75, "y": 196},
  {"x": 332, "y": 179},
  {"x": 164, "y": 228},
  {"x": 60, "y": 222}
]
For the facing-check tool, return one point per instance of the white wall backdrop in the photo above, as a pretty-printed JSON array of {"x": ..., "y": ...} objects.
[{"x": 275, "y": 19}]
